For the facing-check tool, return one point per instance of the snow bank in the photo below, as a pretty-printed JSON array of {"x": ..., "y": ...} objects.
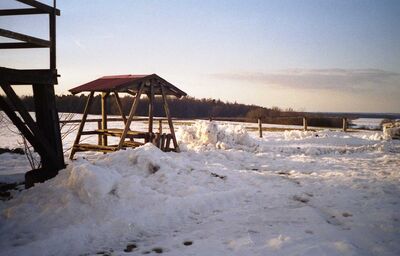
[
  {"x": 392, "y": 130},
  {"x": 297, "y": 135},
  {"x": 111, "y": 200},
  {"x": 211, "y": 135}
]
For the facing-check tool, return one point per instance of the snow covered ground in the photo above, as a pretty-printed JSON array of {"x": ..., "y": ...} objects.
[{"x": 227, "y": 193}]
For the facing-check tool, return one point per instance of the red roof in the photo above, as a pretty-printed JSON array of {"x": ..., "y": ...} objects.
[{"x": 125, "y": 83}]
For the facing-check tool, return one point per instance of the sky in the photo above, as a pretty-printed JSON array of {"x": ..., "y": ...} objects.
[{"x": 310, "y": 55}]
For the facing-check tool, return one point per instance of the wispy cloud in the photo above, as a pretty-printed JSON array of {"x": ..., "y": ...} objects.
[{"x": 321, "y": 79}]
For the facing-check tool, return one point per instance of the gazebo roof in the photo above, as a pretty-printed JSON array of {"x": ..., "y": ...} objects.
[{"x": 129, "y": 83}]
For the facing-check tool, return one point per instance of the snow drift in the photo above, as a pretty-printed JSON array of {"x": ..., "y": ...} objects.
[
  {"x": 211, "y": 135},
  {"x": 392, "y": 130}
]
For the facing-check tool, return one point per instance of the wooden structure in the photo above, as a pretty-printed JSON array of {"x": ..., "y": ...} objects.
[
  {"x": 44, "y": 133},
  {"x": 136, "y": 85}
]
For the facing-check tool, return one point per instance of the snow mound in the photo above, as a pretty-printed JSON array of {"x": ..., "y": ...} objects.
[
  {"x": 392, "y": 130},
  {"x": 297, "y": 135},
  {"x": 211, "y": 135},
  {"x": 109, "y": 200}
]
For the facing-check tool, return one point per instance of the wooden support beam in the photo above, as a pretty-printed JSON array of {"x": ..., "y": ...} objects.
[
  {"x": 171, "y": 125},
  {"x": 19, "y": 45},
  {"x": 41, "y": 6},
  {"x": 151, "y": 108},
  {"x": 162, "y": 141},
  {"x": 119, "y": 104},
  {"x": 25, "y": 38},
  {"x": 42, "y": 145},
  {"x": 99, "y": 137},
  {"x": 104, "y": 108},
  {"x": 167, "y": 148},
  {"x": 27, "y": 76},
  {"x": 47, "y": 120},
  {"x": 160, "y": 126},
  {"x": 131, "y": 115},
  {"x": 24, "y": 11},
  {"x": 52, "y": 36},
  {"x": 20, "y": 125},
  {"x": 81, "y": 125}
]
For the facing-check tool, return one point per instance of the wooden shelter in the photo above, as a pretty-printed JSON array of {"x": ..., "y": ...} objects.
[
  {"x": 137, "y": 86},
  {"x": 44, "y": 132}
]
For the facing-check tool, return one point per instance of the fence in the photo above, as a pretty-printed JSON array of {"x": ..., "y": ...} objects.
[{"x": 260, "y": 122}]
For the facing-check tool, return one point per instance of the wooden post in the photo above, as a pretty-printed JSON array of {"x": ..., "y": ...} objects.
[
  {"x": 104, "y": 116},
  {"x": 160, "y": 126},
  {"x": 151, "y": 108},
  {"x": 171, "y": 125},
  {"x": 260, "y": 127},
  {"x": 99, "y": 137},
  {"x": 82, "y": 124},
  {"x": 344, "y": 124},
  {"x": 48, "y": 121},
  {"x": 305, "y": 124},
  {"x": 131, "y": 114}
]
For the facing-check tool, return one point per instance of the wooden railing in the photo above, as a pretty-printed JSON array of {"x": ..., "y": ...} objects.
[{"x": 245, "y": 120}]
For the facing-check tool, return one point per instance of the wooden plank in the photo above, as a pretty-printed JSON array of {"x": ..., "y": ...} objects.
[
  {"x": 25, "y": 38},
  {"x": 27, "y": 76},
  {"x": 119, "y": 132},
  {"x": 133, "y": 144},
  {"x": 19, "y": 45},
  {"x": 23, "y": 11},
  {"x": 94, "y": 147},
  {"x": 171, "y": 125},
  {"x": 82, "y": 124},
  {"x": 41, "y": 6},
  {"x": 131, "y": 115},
  {"x": 104, "y": 108}
]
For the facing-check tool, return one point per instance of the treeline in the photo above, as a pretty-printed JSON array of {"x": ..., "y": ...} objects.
[
  {"x": 189, "y": 107},
  {"x": 186, "y": 107}
]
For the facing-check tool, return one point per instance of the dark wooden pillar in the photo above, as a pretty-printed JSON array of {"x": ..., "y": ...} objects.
[{"x": 48, "y": 122}]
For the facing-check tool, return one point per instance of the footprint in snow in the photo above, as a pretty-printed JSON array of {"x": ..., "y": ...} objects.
[
  {"x": 301, "y": 199},
  {"x": 187, "y": 243},
  {"x": 130, "y": 247},
  {"x": 346, "y": 214}
]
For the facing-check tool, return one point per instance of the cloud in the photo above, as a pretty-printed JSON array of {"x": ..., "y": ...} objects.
[{"x": 321, "y": 79}]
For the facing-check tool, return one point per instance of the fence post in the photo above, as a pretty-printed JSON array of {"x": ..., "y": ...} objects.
[
  {"x": 344, "y": 124},
  {"x": 305, "y": 123},
  {"x": 260, "y": 127}
]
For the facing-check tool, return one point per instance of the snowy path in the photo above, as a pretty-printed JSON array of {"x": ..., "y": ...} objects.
[{"x": 228, "y": 193}]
